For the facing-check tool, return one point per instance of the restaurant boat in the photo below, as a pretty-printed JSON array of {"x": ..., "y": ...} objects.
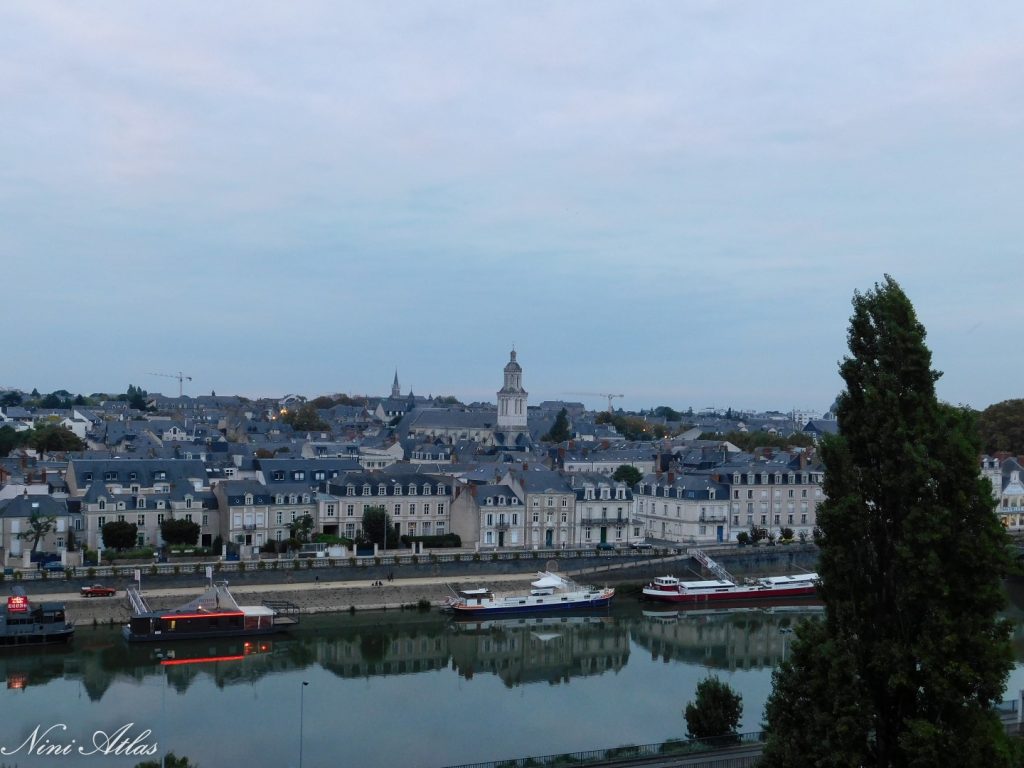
[
  {"x": 23, "y": 623},
  {"x": 671, "y": 590},
  {"x": 550, "y": 592},
  {"x": 213, "y": 614}
]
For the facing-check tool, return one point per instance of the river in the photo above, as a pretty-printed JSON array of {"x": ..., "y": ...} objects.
[{"x": 398, "y": 688}]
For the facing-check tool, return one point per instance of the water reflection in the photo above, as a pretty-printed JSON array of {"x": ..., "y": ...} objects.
[{"x": 517, "y": 651}]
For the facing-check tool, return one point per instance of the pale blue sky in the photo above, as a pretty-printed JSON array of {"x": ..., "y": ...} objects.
[{"x": 674, "y": 201}]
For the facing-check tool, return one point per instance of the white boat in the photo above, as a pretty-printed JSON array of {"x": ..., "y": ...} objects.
[
  {"x": 550, "y": 592},
  {"x": 671, "y": 590}
]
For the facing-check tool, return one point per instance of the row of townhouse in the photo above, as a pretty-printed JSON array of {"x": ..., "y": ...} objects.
[{"x": 715, "y": 505}]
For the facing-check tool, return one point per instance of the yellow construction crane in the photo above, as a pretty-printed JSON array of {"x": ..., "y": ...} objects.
[
  {"x": 181, "y": 377},
  {"x": 596, "y": 394}
]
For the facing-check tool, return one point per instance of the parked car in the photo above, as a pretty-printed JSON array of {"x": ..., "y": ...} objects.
[
  {"x": 98, "y": 590},
  {"x": 643, "y": 545},
  {"x": 605, "y": 546},
  {"x": 53, "y": 565}
]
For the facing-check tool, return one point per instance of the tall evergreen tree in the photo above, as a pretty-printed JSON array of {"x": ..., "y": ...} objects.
[{"x": 910, "y": 657}]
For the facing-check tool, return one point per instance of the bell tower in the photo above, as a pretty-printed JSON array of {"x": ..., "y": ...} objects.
[{"x": 512, "y": 398}]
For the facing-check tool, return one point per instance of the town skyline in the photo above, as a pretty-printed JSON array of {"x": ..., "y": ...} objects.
[{"x": 663, "y": 202}]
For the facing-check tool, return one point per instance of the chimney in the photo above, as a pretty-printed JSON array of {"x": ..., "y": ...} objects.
[{"x": 671, "y": 478}]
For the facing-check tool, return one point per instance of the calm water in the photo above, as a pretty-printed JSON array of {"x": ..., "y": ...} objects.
[{"x": 398, "y": 689}]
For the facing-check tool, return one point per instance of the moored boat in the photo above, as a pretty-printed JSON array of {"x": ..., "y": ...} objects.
[
  {"x": 213, "y": 614},
  {"x": 24, "y": 623},
  {"x": 550, "y": 592},
  {"x": 672, "y": 590}
]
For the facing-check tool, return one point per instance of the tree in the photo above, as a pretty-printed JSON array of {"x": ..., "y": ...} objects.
[
  {"x": 376, "y": 521},
  {"x": 136, "y": 397},
  {"x": 715, "y": 713},
  {"x": 669, "y": 414},
  {"x": 53, "y": 437},
  {"x": 304, "y": 419},
  {"x": 559, "y": 432},
  {"x": 301, "y": 528},
  {"x": 628, "y": 474},
  {"x": 1002, "y": 427},
  {"x": 10, "y": 398},
  {"x": 170, "y": 760},
  {"x": 910, "y": 657},
  {"x": 38, "y": 527},
  {"x": 119, "y": 535},
  {"x": 180, "y": 531}
]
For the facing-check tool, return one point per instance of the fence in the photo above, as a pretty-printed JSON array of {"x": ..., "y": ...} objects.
[{"x": 638, "y": 753}]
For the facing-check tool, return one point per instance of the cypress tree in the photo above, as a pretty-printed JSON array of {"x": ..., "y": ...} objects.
[{"x": 910, "y": 657}]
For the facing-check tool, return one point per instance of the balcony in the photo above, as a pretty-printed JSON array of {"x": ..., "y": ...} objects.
[
  {"x": 249, "y": 526},
  {"x": 604, "y": 520},
  {"x": 502, "y": 525},
  {"x": 713, "y": 518}
]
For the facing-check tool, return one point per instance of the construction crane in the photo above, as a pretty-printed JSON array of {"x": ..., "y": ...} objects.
[
  {"x": 181, "y": 377},
  {"x": 596, "y": 394}
]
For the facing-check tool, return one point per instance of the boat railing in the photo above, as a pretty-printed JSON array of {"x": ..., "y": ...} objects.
[
  {"x": 285, "y": 611},
  {"x": 136, "y": 600}
]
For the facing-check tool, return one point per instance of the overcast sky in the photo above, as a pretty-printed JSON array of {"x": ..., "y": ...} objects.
[{"x": 670, "y": 200}]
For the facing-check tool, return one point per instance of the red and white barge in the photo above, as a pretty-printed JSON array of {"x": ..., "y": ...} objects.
[{"x": 669, "y": 589}]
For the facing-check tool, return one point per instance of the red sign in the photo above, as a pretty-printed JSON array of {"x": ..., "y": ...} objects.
[{"x": 17, "y": 604}]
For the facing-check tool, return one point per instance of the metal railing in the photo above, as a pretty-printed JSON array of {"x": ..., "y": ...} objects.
[{"x": 667, "y": 749}]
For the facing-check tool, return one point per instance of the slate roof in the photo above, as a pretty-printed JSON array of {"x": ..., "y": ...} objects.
[{"x": 34, "y": 504}]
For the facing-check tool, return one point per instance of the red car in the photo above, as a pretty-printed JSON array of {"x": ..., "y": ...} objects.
[{"x": 98, "y": 590}]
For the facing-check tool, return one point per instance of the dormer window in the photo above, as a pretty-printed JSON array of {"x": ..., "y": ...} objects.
[
  {"x": 350, "y": 490},
  {"x": 412, "y": 489},
  {"x": 161, "y": 475},
  {"x": 298, "y": 475},
  {"x": 279, "y": 499},
  {"x": 140, "y": 502},
  {"x": 305, "y": 498},
  {"x": 588, "y": 493},
  {"x": 87, "y": 477},
  {"x": 132, "y": 476},
  {"x": 440, "y": 489},
  {"x": 103, "y": 504},
  {"x": 605, "y": 492},
  {"x": 620, "y": 493},
  {"x": 248, "y": 499},
  {"x": 292, "y": 498},
  {"x": 501, "y": 501},
  {"x": 110, "y": 476},
  {"x": 426, "y": 489},
  {"x": 514, "y": 500},
  {"x": 278, "y": 474},
  {"x": 188, "y": 502},
  {"x": 490, "y": 501},
  {"x": 382, "y": 490},
  {"x": 397, "y": 489},
  {"x": 366, "y": 489}
]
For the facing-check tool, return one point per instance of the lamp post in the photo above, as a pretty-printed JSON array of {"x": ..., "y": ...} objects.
[{"x": 302, "y": 702}]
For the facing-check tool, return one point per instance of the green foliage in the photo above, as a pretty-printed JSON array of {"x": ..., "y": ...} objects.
[
  {"x": 628, "y": 474},
  {"x": 669, "y": 414},
  {"x": 7, "y": 399},
  {"x": 715, "y": 712},
  {"x": 119, "y": 535},
  {"x": 560, "y": 431},
  {"x": 136, "y": 397},
  {"x": 305, "y": 418},
  {"x": 1001, "y": 427},
  {"x": 376, "y": 521},
  {"x": 759, "y": 438},
  {"x": 742, "y": 538},
  {"x": 180, "y": 531},
  {"x": 302, "y": 528},
  {"x": 911, "y": 657}
]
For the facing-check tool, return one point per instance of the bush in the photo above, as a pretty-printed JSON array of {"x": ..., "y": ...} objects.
[
  {"x": 241, "y": 565},
  {"x": 434, "y": 542},
  {"x": 743, "y": 538}
]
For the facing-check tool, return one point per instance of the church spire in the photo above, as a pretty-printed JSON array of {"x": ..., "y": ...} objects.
[{"x": 396, "y": 391}]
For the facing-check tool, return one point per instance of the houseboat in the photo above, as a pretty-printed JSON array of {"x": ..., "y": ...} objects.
[
  {"x": 550, "y": 592},
  {"x": 24, "y": 623},
  {"x": 669, "y": 589},
  {"x": 213, "y": 614}
]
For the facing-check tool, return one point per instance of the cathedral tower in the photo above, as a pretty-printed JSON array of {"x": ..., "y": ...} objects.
[{"x": 512, "y": 399}]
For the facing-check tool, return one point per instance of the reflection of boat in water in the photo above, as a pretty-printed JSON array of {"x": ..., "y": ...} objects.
[
  {"x": 213, "y": 614},
  {"x": 196, "y": 653},
  {"x": 550, "y": 592},
  {"x": 23, "y": 623},
  {"x": 539, "y": 623},
  {"x": 669, "y": 615}
]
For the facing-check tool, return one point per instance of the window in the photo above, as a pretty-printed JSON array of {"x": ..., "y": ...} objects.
[
  {"x": 292, "y": 498},
  {"x": 440, "y": 508},
  {"x": 330, "y": 510},
  {"x": 350, "y": 509},
  {"x": 188, "y": 502},
  {"x": 319, "y": 475},
  {"x": 586, "y": 534},
  {"x": 103, "y": 504},
  {"x": 398, "y": 510},
  {"x": 188, "y": 517},
  {"x": 412, "y": 489},
  {"x": 489, "y": 518},
  {"x": 279, "y": 499},
  {"x": 206, "y": 520},
  {"x": 280, "y": 517},
  {"x": 248, "y": 499},
  {"x": 426, "y": 491},
  {"x": 299, "y": 475},
  {"x": 515, "y": 518},
  {"x": 350, "y": 490},
  {"x": 120, "y": 518},
  {"x": 440, "y": 489},
  {"x": 101, "y": 521},
  {"x": 159, "y": 519},
  {"x": 426, "y": 509},
  {"x": 536, "y": 517},
  {"x": 140, "y": 521},
  {"x": 278, "y": 474},
  {"x": 412, "y": 509},
  {"x": 565, "y": 501}
]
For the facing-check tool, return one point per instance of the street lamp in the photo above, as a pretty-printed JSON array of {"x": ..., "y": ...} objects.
[{"x": 302, "y": 703}]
